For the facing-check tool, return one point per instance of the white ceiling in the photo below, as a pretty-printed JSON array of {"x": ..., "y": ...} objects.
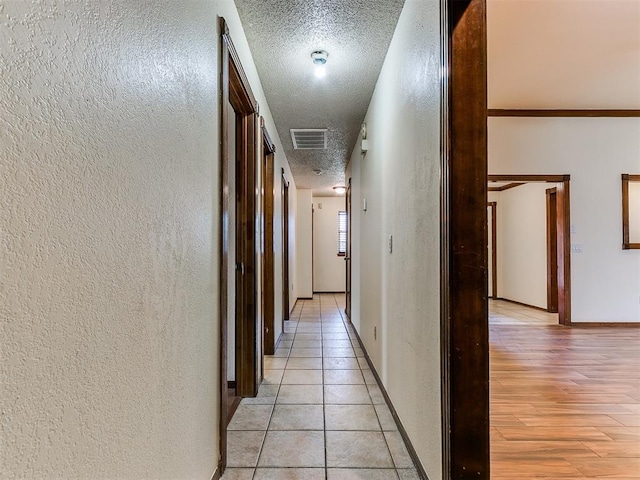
[
  {"x": 282, "y": 34},
  {"x": 563, "y": 54}
]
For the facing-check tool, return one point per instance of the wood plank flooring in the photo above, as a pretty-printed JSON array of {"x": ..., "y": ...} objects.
[{"x": 565, "y": 401}]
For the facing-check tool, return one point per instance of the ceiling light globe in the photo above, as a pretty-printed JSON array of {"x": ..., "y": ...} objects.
[{"x": 319, "y": 57}]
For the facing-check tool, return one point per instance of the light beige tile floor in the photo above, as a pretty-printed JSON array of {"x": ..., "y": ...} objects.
[{"x": 319, "y": 413}]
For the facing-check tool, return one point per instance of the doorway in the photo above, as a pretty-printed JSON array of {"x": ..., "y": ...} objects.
[
  {"x": 558, "y": 241},
  {"x": 285, "y": 249},
  {"x": 238, "y": 282},
  {"x": 268, "y": 254}
]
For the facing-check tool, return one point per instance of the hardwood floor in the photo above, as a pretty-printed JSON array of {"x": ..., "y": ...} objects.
[{"x": 565, "y": 401}]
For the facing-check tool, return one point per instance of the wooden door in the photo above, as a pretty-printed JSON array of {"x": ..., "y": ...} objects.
[
  {"x": 246, "y": 281},
  {"x": 268, "y": 274},
  {"x": 552, "y": 250},
  {"x": 493, "y": 249},
  {"x": 347, "y": 257},
  {"x": 285, "y": 249}
]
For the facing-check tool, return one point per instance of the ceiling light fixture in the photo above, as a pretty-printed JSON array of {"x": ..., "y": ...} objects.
[
  {"x": 319, "y": 58},
  {"x": 340, "y": 190}
]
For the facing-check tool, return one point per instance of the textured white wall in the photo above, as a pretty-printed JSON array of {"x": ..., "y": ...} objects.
[
  {"x": 328, "y": 267},
  {"x": 400, "y": 178},
  {"x": 522, "y": 244},
  {"x": 605, "y": 280},
  {"x": 293, "y": 206},
  {"x": 109, "y": 239},
  {"x": 304, "y": 245},
  {"x": 109, "y": 256}
]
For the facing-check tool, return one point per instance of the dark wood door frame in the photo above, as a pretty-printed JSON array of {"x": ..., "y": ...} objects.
[
  {"x": 494, "y": 249},
  {"x": 268, "y": 253},
  {"x": 552, "y": 249},
  {"x": 464, "y": 304},
  {"x": 285, "y": 249},
  {"x": 237, "y": 101},
  {"x": 347, "y": 257},
  {"x": 627, "y": 242},
  {"x": 563, "y": 228}
]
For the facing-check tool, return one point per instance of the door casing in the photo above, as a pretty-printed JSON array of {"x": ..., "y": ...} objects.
[
  {"x": 563, "y": 234},
  {"x": 268, "y": 253},
  {"x": 286, "y": 309},
  {"x": 463, "y": 232},
  {"x": 552, "y": 249},
  {"x": 347, "y": 257},
  {"x": 237, "y": 101}
]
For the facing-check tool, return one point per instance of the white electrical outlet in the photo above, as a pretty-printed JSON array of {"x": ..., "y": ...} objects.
[{"x": 576, "y": 248}]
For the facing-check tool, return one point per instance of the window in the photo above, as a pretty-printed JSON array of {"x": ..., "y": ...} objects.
[{"x": 342, "y": 233}]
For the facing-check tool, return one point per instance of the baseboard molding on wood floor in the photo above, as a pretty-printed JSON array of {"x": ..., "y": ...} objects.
[
  {"x": 522, "y": 304},
  {"x": 606, "y": 324},
  {"x": 412, "y": 451}
]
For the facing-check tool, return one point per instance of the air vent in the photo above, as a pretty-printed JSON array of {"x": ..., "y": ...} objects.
[{"x": 309, "y": 138}]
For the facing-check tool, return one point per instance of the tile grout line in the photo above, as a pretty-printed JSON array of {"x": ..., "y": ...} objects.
[
  {"x": 275, "y": 401},
  {"x": 324, "y": 310},
  {"x": 395, "y": 467},
  {"x": 324, "y": 404}
]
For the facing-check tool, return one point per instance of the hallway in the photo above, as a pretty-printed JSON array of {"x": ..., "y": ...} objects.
[{"x": 319, "y": 412}]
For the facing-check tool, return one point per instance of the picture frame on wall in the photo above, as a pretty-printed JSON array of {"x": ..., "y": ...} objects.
[{"x": 630, "y": 211}]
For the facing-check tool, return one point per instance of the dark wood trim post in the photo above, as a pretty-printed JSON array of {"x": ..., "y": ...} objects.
[
  {"x": 465, "y": 331},
  {"x": 563, "y": 198}
]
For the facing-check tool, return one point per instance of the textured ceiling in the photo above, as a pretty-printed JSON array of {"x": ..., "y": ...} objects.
[{"x": 282, "y": 34}]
